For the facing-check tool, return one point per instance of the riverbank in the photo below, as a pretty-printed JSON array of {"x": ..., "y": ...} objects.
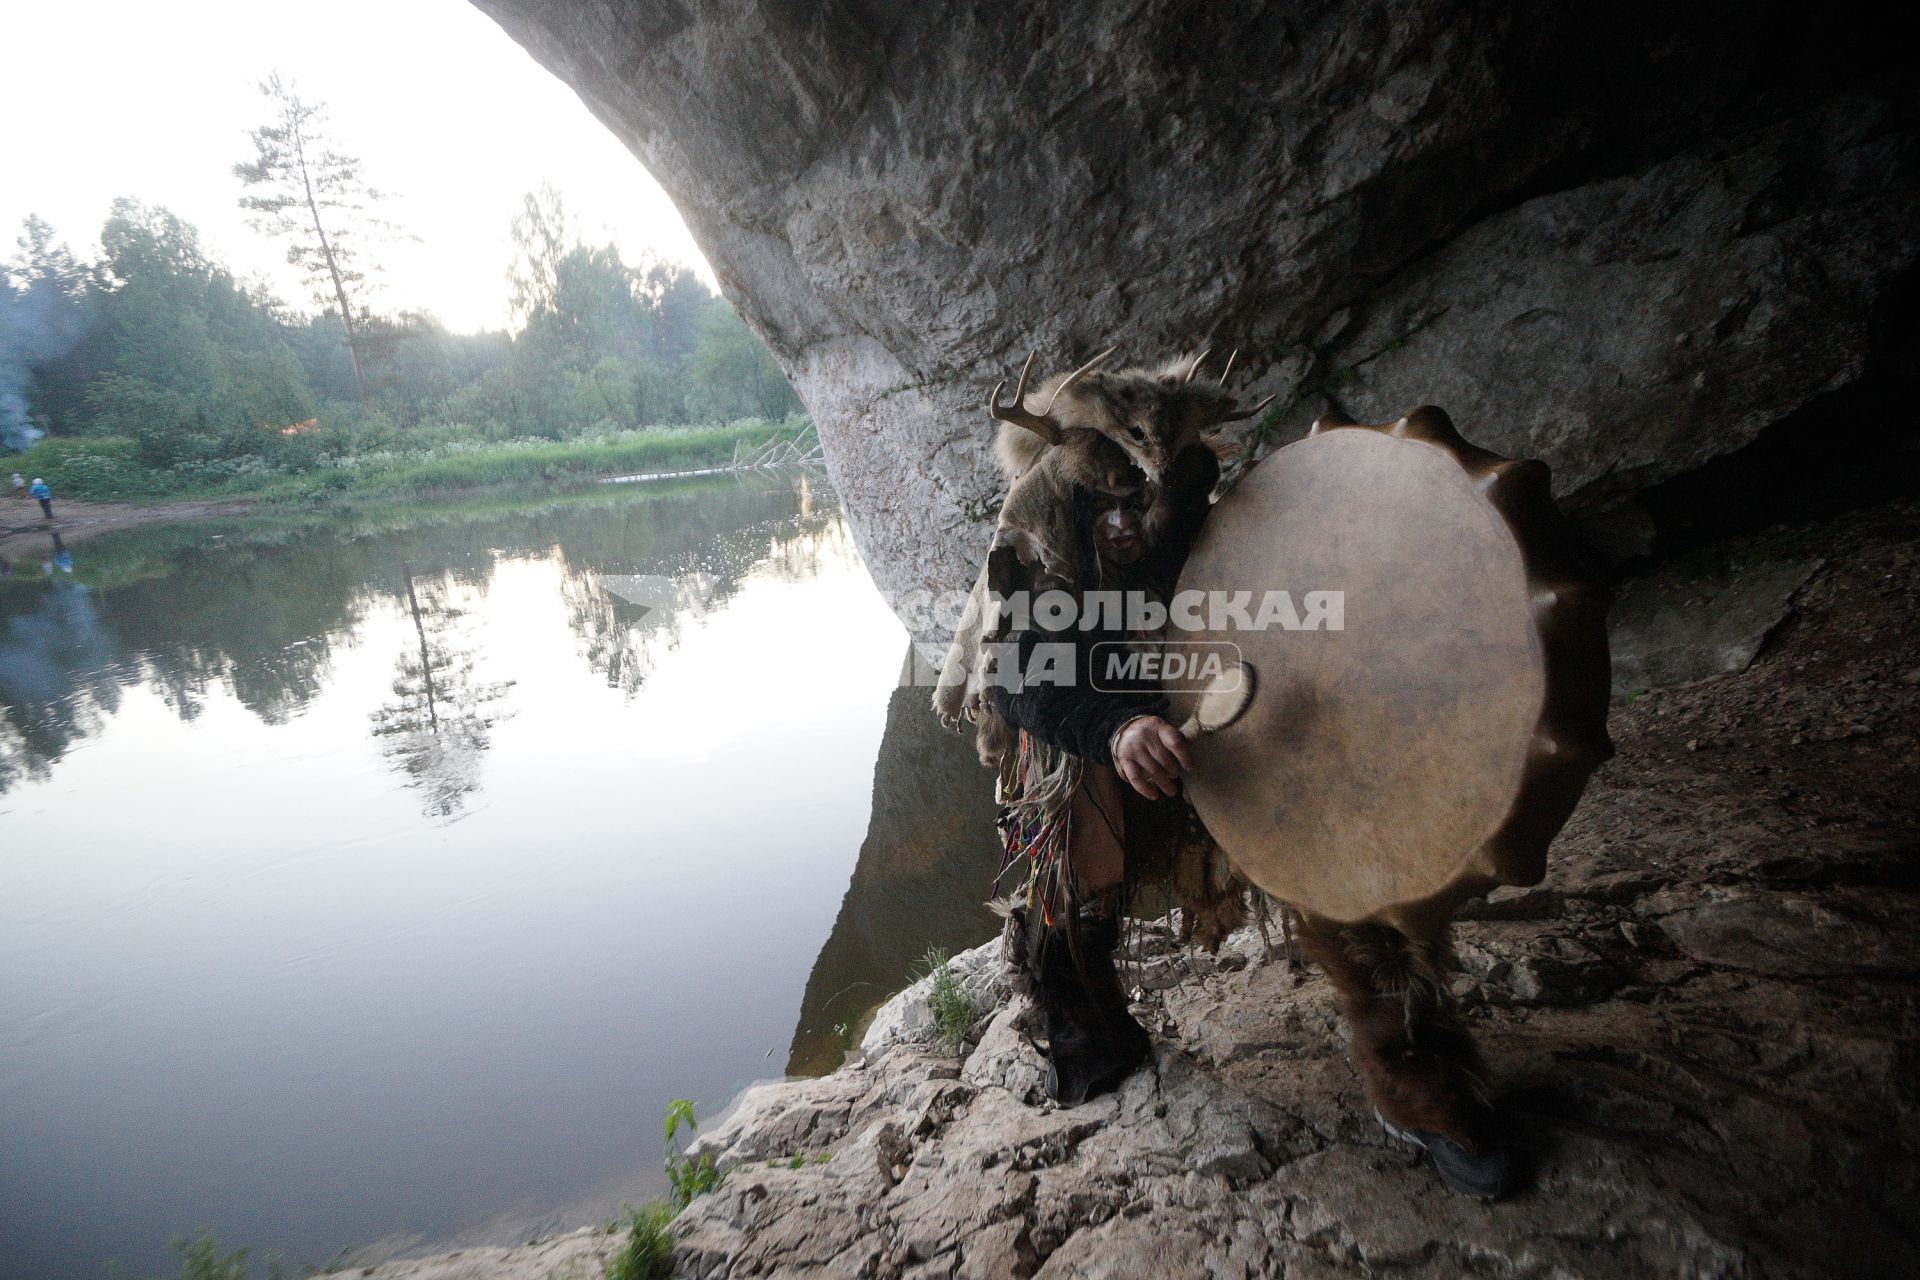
[
  {"x": 426, "y": 475},
  {"x": 24, "y": 534},
  {"x": 1702, "y": 1026}
]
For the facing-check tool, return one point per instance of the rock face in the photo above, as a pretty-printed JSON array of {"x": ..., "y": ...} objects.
[
  {"x": 1674, "y": 625},
  {"x": 578, "y": 1255},
  {"x": 1703, "y": 1027},
  {"x": 1703, "y": 1024},
  {"x": 1622, "y": 238}
]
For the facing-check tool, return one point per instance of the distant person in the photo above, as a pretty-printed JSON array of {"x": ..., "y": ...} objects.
[
  {"x": 45, "y": 495},
  {"x": 19, "y": 485}
]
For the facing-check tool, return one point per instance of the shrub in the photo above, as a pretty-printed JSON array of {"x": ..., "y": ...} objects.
[{"x": 96, "y": 467}]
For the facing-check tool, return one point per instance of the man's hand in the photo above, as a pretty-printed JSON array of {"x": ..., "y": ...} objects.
[{"x": 1151, "y": 755}]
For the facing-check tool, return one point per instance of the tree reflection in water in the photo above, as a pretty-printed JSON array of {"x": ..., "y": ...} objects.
[
  {"x": 437, "y": 727},
  {"x": 43, "y": 707},
  {"x": 257, "y": 609},
  {"x": 622, "y": 619},
  {"x": 923, "y": 878}
]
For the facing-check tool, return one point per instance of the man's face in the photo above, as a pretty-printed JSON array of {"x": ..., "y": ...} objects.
[{"x": 1118, "y": 532}]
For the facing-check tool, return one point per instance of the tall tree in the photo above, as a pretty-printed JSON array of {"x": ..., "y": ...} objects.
[
  {"x": 541, "y": 238},
  {"x": 314, "y": 197}
]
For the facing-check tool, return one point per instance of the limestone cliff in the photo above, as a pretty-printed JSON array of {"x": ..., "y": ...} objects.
[{"x": 1622, "y": 237}]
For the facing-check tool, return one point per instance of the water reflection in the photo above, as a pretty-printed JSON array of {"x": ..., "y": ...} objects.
[
  {"x": 612, "y": 633},
  {"x": 265, "y": 968},
  {"x": 42, "y": 707},
  {"x": 438, "y": 723},
  {"x": 922, "y": 879},
  {"x": 259, "y": 610}
]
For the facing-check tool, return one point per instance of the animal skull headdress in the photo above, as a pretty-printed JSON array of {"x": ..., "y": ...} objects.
[{"x": 1106, "y": 431}]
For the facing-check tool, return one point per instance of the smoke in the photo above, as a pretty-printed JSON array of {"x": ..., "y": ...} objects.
[
  {"x": 39, "y": 321},
  {"x": 17, "y": 433},
  {"x": 16, "y": 362}
]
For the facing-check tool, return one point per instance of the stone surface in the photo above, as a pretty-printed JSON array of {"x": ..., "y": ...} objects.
[
  {"x": 578, "y": 1255},
  {"x": 1676, "y": 625},
  {"x": 1622, "y": 238},
  {"x": 907, "y": 1018},
  {"x": 1702, "y": 1028}
]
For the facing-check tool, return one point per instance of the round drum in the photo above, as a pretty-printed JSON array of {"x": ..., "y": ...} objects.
[{"x": 1432, "y": 693}]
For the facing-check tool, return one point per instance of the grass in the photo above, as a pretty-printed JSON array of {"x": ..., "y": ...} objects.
[
  {"x": 201, "y": 1259},
  {"x": 106, "y": 468},
  {"x": 953, "y": 1009},
  {"x": 647, "y": 1252},
  {"x": 529, "y": 462},
  {"x": 150, "y": 551}
]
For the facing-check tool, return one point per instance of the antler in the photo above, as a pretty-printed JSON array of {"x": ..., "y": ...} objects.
[
  {"x": 1248, "y": 413},
  {"x": 1194, "y": 368},
  {"x": 1078, "y": 374},
  {"x": 1242, "y": 413},
  {"x": 1043, "y": 423},
  {"x": 1016, "y": 413}
]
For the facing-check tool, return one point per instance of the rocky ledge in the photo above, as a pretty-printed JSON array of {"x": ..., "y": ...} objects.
[{"x": 1704, "y": 1025}]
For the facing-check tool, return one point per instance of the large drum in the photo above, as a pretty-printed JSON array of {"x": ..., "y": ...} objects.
[{"x": 1432, "y": 746}]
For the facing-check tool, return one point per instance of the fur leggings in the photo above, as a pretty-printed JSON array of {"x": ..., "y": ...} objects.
[{"x": 1410, "y": 1044}]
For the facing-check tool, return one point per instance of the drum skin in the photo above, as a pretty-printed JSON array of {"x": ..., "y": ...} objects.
[{"x": 1433, "y": 746}]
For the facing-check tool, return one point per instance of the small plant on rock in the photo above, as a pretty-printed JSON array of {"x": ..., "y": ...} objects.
[
  {"x": 647, "y": 1252},
  {"x": 687, "y": 1177},
  {"x": 201, "y": 1258},
  {"x": 953, "y": 1009}
]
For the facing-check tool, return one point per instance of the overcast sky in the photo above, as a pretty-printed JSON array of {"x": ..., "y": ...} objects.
[{"x": 104, "y": 98}]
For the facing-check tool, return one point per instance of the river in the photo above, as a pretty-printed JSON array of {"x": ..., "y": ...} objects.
[{"x": 383, "y": 876}]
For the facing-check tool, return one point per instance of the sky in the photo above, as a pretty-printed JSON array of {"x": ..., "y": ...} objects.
[{"x": 107, "y": 98}]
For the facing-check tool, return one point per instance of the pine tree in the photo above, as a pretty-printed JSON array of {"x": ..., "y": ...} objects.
[{"x": 311, "y": 195}]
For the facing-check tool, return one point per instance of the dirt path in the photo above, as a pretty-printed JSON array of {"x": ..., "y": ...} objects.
[{"x": 23, "y": 533}]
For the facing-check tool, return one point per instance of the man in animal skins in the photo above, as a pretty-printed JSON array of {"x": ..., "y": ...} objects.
[{"x": 1128, "y": 823}]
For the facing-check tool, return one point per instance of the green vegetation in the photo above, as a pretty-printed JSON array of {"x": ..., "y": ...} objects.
[
  {"x": 647, "y": 1253},
  {"x": 109, "y": 468},
  {"x": 687, "y": 1177},
  {"x": 153, "y": 373},
  {"x": 201, "y": 1259},
  {"x": 953, "y": 1009}
]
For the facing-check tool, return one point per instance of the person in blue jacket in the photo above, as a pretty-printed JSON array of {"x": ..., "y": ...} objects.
[{"x": 44, "y": 494}]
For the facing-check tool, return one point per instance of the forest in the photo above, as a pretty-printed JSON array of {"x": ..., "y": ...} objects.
[{"x": 153, "y": 371}]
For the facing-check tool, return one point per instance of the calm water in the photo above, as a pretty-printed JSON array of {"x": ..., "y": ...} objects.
[{"x": 384, "y": 879}]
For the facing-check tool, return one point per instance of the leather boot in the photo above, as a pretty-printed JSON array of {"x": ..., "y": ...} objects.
[
  {"x": 1093, "y": 1040},
  {"x": 1415, "y": 1056}
]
